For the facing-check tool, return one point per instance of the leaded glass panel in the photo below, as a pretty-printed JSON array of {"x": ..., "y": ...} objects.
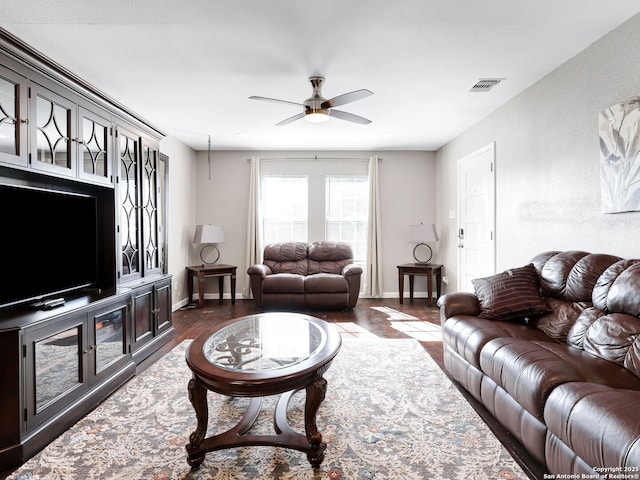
[
  {"x": 94, "y": 147},
  {"x": 149, "y": 207},
  {"x": 128, "y": 152},
  {"x": 53, "y": 132},
  {"x": 8, "y": 117}
]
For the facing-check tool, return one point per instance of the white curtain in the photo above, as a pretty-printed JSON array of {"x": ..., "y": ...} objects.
[
  {"x": 254, "y": 224},
  {"x": 373, "y": 275}
]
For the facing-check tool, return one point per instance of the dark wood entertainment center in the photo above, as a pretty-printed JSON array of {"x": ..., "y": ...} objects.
[{"x": 65, "y": 346}]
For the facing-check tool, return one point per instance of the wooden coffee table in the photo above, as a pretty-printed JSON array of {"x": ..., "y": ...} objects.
[{"x": 258, "y": 356}]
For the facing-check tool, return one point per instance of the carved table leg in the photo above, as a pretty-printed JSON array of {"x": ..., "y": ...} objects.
[
  {"x": 198, "y": 398},
  {"x": 315, "y": 395}
]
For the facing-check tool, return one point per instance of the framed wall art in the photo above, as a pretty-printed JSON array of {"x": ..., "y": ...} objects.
[{"x": 620, "y": 156}]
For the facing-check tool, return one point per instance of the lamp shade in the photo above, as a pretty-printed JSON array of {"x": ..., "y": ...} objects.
[
  {"x": 423, "y": 233},
  {"x": 209, "y": 234}
]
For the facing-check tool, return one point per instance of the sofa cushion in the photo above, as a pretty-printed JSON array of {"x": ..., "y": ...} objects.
[
  {"x": 283, "y": 283},
  {"x": 511, "y": 294},
  {"x": 600, "y": 424},
  {"x": 623, "y": 284},
  {"x": 572, "y": 275},
  {"x": 467, "y": 334},
  {"x": 558, "y": 322},
  {"x": 575, "y": 337},
  {"x": 612, "y": 289},
  {"x": 614, "y": 337},
  {"x": 529, "y": 371},
  {"x": 325, "y": 283},
  {"x": 329, "y": 257},
  {"x": 287, "y": 257}
]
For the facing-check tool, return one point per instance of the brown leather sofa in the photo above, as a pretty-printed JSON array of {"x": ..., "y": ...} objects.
[
  {"x": 300, "y": 275},
  {"x": 565, "y": 383}
]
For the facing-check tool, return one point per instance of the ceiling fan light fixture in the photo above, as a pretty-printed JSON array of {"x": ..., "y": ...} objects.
[
  {"x": 316, "y": 116},
  {"x": 317, "y": 109}
]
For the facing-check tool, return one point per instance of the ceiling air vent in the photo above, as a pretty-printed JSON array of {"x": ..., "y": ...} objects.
[{"x": 485, "y": 84}]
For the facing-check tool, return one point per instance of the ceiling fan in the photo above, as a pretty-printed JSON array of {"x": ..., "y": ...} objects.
[{"x": 318, "y": 109}]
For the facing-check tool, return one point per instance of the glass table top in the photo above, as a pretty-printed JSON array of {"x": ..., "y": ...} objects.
[{"x": 264, "y": 342}]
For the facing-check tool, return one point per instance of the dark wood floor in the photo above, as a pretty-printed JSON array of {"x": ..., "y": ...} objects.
[{"x": 384, "y": 318}]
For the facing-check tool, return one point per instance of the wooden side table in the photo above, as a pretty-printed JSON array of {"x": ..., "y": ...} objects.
[
  {"x": 423, "y": 269},
  {"x": 202, "y": 272}
]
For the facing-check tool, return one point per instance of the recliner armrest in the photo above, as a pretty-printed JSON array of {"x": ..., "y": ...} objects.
[
  {"x": 352, "y": 273},
  {"x": 260, "y": 270},
  {"x": 458, "y": 303},
  {"x": 351, "y": 269}
]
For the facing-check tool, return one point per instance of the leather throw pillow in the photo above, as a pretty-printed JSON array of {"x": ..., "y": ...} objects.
[{"x": 510, "y": 295}]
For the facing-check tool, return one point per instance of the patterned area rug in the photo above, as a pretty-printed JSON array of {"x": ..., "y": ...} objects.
[{"x": 389, "y": 413}]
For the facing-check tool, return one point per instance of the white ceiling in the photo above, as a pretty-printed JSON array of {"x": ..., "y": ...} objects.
[{"x": 189, "y": 66}]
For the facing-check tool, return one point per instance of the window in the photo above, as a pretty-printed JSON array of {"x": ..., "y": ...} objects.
[
  {"x": 308, "y": 201},
  {"x": 346, "y": 212},
  {"x": 284, "y": 208}
]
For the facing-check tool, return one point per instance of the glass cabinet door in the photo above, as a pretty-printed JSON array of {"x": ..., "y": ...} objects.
[
  {"x": 57, "y": 366},
  {"x": 54, "y": 356},
  {"x": 52, "y": 130},
  {"x": 129, "y": 158},
  {"x": 150, "y": 210},
  {"x": 93, "y": 147},
  {"x": 13, "y": 117},
  {"x": 109, "y": 338},
  {"x": 141, "y": 184}
]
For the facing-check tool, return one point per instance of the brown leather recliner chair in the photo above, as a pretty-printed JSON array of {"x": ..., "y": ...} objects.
[{"x": 301, "y": 275}]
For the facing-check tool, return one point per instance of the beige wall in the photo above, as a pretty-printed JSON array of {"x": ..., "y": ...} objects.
[
  {"x": 547, "y": 160},
  {"x": 407, "y": 189},
  {"x": 181, "y": 210}
]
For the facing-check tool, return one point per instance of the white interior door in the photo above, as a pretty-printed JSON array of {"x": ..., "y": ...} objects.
[{"x": 476, "y": 216}]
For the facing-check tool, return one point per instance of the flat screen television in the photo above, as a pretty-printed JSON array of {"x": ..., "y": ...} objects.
[{"x": 48, "y": 243}]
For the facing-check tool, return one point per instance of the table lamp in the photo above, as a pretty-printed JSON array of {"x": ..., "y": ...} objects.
[
  {"x": 209, "y": 236},
  {"x": 421, "y": 234}
]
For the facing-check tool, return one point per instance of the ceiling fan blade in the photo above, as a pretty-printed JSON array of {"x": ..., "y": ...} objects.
[
  {"x": 275, "y": 100},
  {"x": 290, "y": 119},
  {"x": 346, "y": 98},
  {"x": 350, "y": 117}
]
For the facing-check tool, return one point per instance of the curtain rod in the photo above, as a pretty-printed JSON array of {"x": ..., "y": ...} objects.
[{"x": 314, "y": 158}]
